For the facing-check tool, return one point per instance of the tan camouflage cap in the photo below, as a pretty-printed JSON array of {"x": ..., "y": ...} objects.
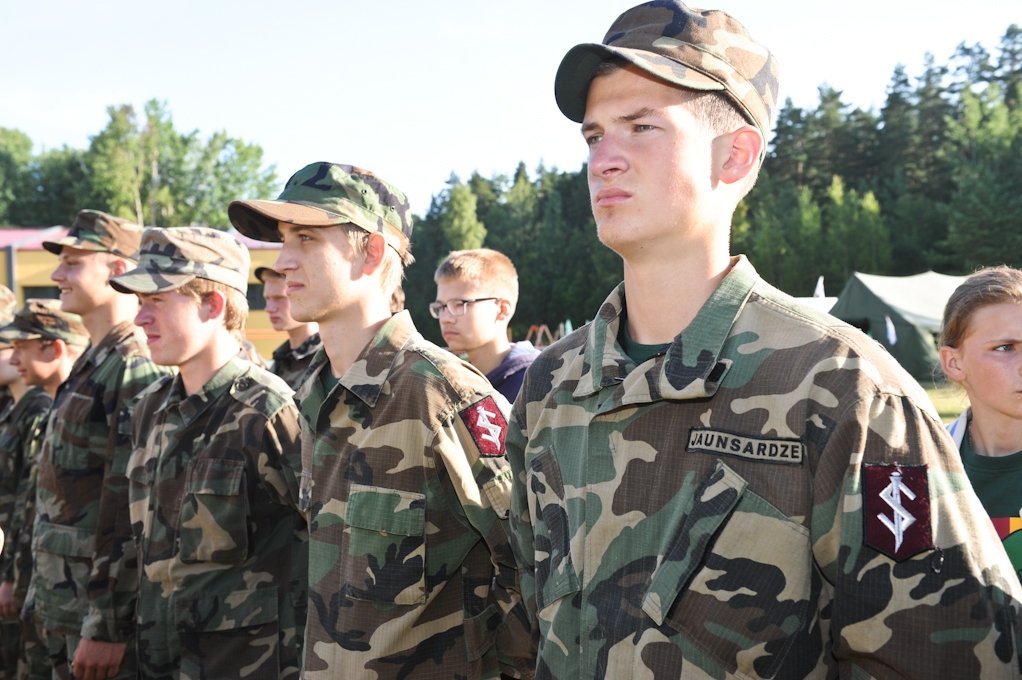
[
  {"x": 44, "y": 320},
  {"x": 328, "y": 194},
  {"x": 170, "y": 258},
  {"x": 8, "y": 305},
  {"x": 705, "y": 50},
  {"x": 95, "y": 230}
]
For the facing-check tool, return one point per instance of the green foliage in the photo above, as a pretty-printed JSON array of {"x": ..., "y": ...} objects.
[{"x": 140, "y": 168}]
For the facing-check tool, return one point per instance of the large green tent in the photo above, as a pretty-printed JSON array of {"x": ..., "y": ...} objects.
[{"x": 903, "y": 313}]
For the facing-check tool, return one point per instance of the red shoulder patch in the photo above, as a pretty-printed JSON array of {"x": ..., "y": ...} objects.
[
  {"x": 487, "y": 425},
  {"x": 896, "y": 503}
]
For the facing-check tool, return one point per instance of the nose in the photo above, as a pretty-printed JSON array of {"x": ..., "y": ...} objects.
[
  {"x": 57, "y": 274},
  {"x": 285, "y": 260},
  {"x": 606, "y": 157},
  {"x": 143, "y": 317}
]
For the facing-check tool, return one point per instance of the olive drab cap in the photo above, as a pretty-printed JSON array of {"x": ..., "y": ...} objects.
[
  {"x": 328, "y": 194},
  {"x": 44, "y": 320},
  {"x": 704, "y": 50},
  {"x": 95, "y": 230},
  {"x": 169, "y": 258}
]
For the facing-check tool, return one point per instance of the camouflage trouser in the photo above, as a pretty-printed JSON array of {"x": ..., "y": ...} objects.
[
  {"x": 10, "y": 642},
  {"x": 60, "y": 648},
  {"x": 33, "y": 660}
]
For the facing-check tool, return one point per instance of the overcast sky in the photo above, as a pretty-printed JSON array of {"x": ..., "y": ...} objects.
[{"x": 412, "y": 90}]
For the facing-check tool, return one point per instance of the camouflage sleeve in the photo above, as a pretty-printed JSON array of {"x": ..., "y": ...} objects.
[
  {"x": 281, "y": 445},
  {"x": 19, "y": 529},
  {"x": 112, "y": 587},
  {"x": 522, "y": 540},
  {"x": 916, "y": 576},
  {"x": 481, "y": 480}
]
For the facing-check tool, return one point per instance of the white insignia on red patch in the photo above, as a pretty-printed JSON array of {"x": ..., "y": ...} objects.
[
  {"x": 902, "y": 518},
  {"x": 487, "y": 425},
  {"x": 897, "y": 509}
]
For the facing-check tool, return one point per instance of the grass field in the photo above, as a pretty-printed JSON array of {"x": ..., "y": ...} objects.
[{"x": 950, "y": 400}]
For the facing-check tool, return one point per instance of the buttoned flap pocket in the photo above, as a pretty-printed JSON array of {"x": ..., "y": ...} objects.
[
  {"x": 214, "y": 513},
  {"x": 386, "y": 545},
  {"x": 62, "y": 539},
  {"x": 555, "y": 572},
  {"x": 737, "y": 578},
  {"x": 79, "y": 432}
]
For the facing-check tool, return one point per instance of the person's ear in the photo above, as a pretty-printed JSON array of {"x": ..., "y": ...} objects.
[
  {"x": 951, "y": 362},
  {"x": 118, "y": 266},
  {"x": 216, "y": 302},
  {"x": 375, "y": 251},
  {"x": 504, "y": 310},
  {"x": 743, "y": 148}
]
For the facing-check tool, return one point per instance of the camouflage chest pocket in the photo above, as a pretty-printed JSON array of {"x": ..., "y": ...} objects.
[
  {"x": 214, "y": 513},
  {"x": 555, "y": 571},
  {"x": 736, "y": 579},
  {"x": 76, "y": 436},
  {"x": 385, "y": 559}
]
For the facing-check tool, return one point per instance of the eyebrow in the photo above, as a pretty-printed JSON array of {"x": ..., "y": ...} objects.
[{"x": 644, "y": 112}]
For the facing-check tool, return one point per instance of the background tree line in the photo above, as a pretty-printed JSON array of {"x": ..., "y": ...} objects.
[{"x": 931, "y": 181}]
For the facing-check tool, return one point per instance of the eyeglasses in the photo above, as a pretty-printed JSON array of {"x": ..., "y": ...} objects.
[{"x": 454, "y": 307}]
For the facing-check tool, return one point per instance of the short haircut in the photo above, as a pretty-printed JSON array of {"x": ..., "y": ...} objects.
[
  {"x": 483, "y": 267},
  {"x": 236, "y": 308},
  {"x": 989, "y": 286},
  {"x": 394, "y": 261}
]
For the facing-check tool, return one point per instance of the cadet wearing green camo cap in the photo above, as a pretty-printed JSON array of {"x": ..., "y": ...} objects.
[
  {"x": 709, "y": 480},
  {"x": 84, "y": 579},
  {"x": 404, "y": 479},
  {"x": 213, "y": 483}
]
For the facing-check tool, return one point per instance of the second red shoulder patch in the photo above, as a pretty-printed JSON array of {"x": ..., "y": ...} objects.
[
  {"x": 897, "y": 509},
  {"x": 487, "y": 425}
]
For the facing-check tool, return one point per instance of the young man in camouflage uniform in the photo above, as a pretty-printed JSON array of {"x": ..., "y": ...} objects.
[
  {"x": 404, "y": 478},
  {"x": 222, "y": 548},
  {"x": 85, "y": 579},
  {"x": 22, "y": 422},
  {"x": 292, "y": 358},
  {"x": 711, "y": 481},
  {"x": 45, "y": 343}
]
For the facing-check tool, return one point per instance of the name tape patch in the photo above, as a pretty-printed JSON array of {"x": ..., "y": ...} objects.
[{"x": 788, "y": 451}]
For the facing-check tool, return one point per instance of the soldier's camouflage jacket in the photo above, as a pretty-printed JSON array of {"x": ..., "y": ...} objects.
[
  {"x": 406, "y": 485},
  {"x": 223, "y": 550},
  {"x": 21, "y": 435},
  {"x": 772, "y": 498},
  {"x": 291, "y": 364},
  {"x": 85, "y": 576}
]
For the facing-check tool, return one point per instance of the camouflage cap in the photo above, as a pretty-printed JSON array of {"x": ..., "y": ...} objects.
[
  {"x": 95, "y": 230},
  {"x": 45, "y": 320},
  {"x": 705, "y": 50},
  {"x": 170, "y": 258},
  {"x": 8, "y": 304},
  {"x": 327, "y": 194}
]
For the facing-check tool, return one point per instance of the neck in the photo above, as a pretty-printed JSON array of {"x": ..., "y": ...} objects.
[
  {"x": 18, "y": 389},
  {"x": 488, "y": 357},
  {"x": 345, "y": 336},
  {"x": 102, "y": 319},
  {"x": 299, "y": 334},
  {"x": 663, "y": 295},
  {"x": 994, "y": 434},
  {"x": 197, "y": 371}
]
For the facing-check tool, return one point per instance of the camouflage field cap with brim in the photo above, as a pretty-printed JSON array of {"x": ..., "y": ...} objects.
[
  {"x": 95, "y": 230},
  {"x": 704, "y": 50},
  {"x": 45, "y": 320},
  {"x": 327, "y": 194},
  {"x": 169, "y": 258},
  {"x": 8, "y": 305},
  {"x": 260, "y": 272}
]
